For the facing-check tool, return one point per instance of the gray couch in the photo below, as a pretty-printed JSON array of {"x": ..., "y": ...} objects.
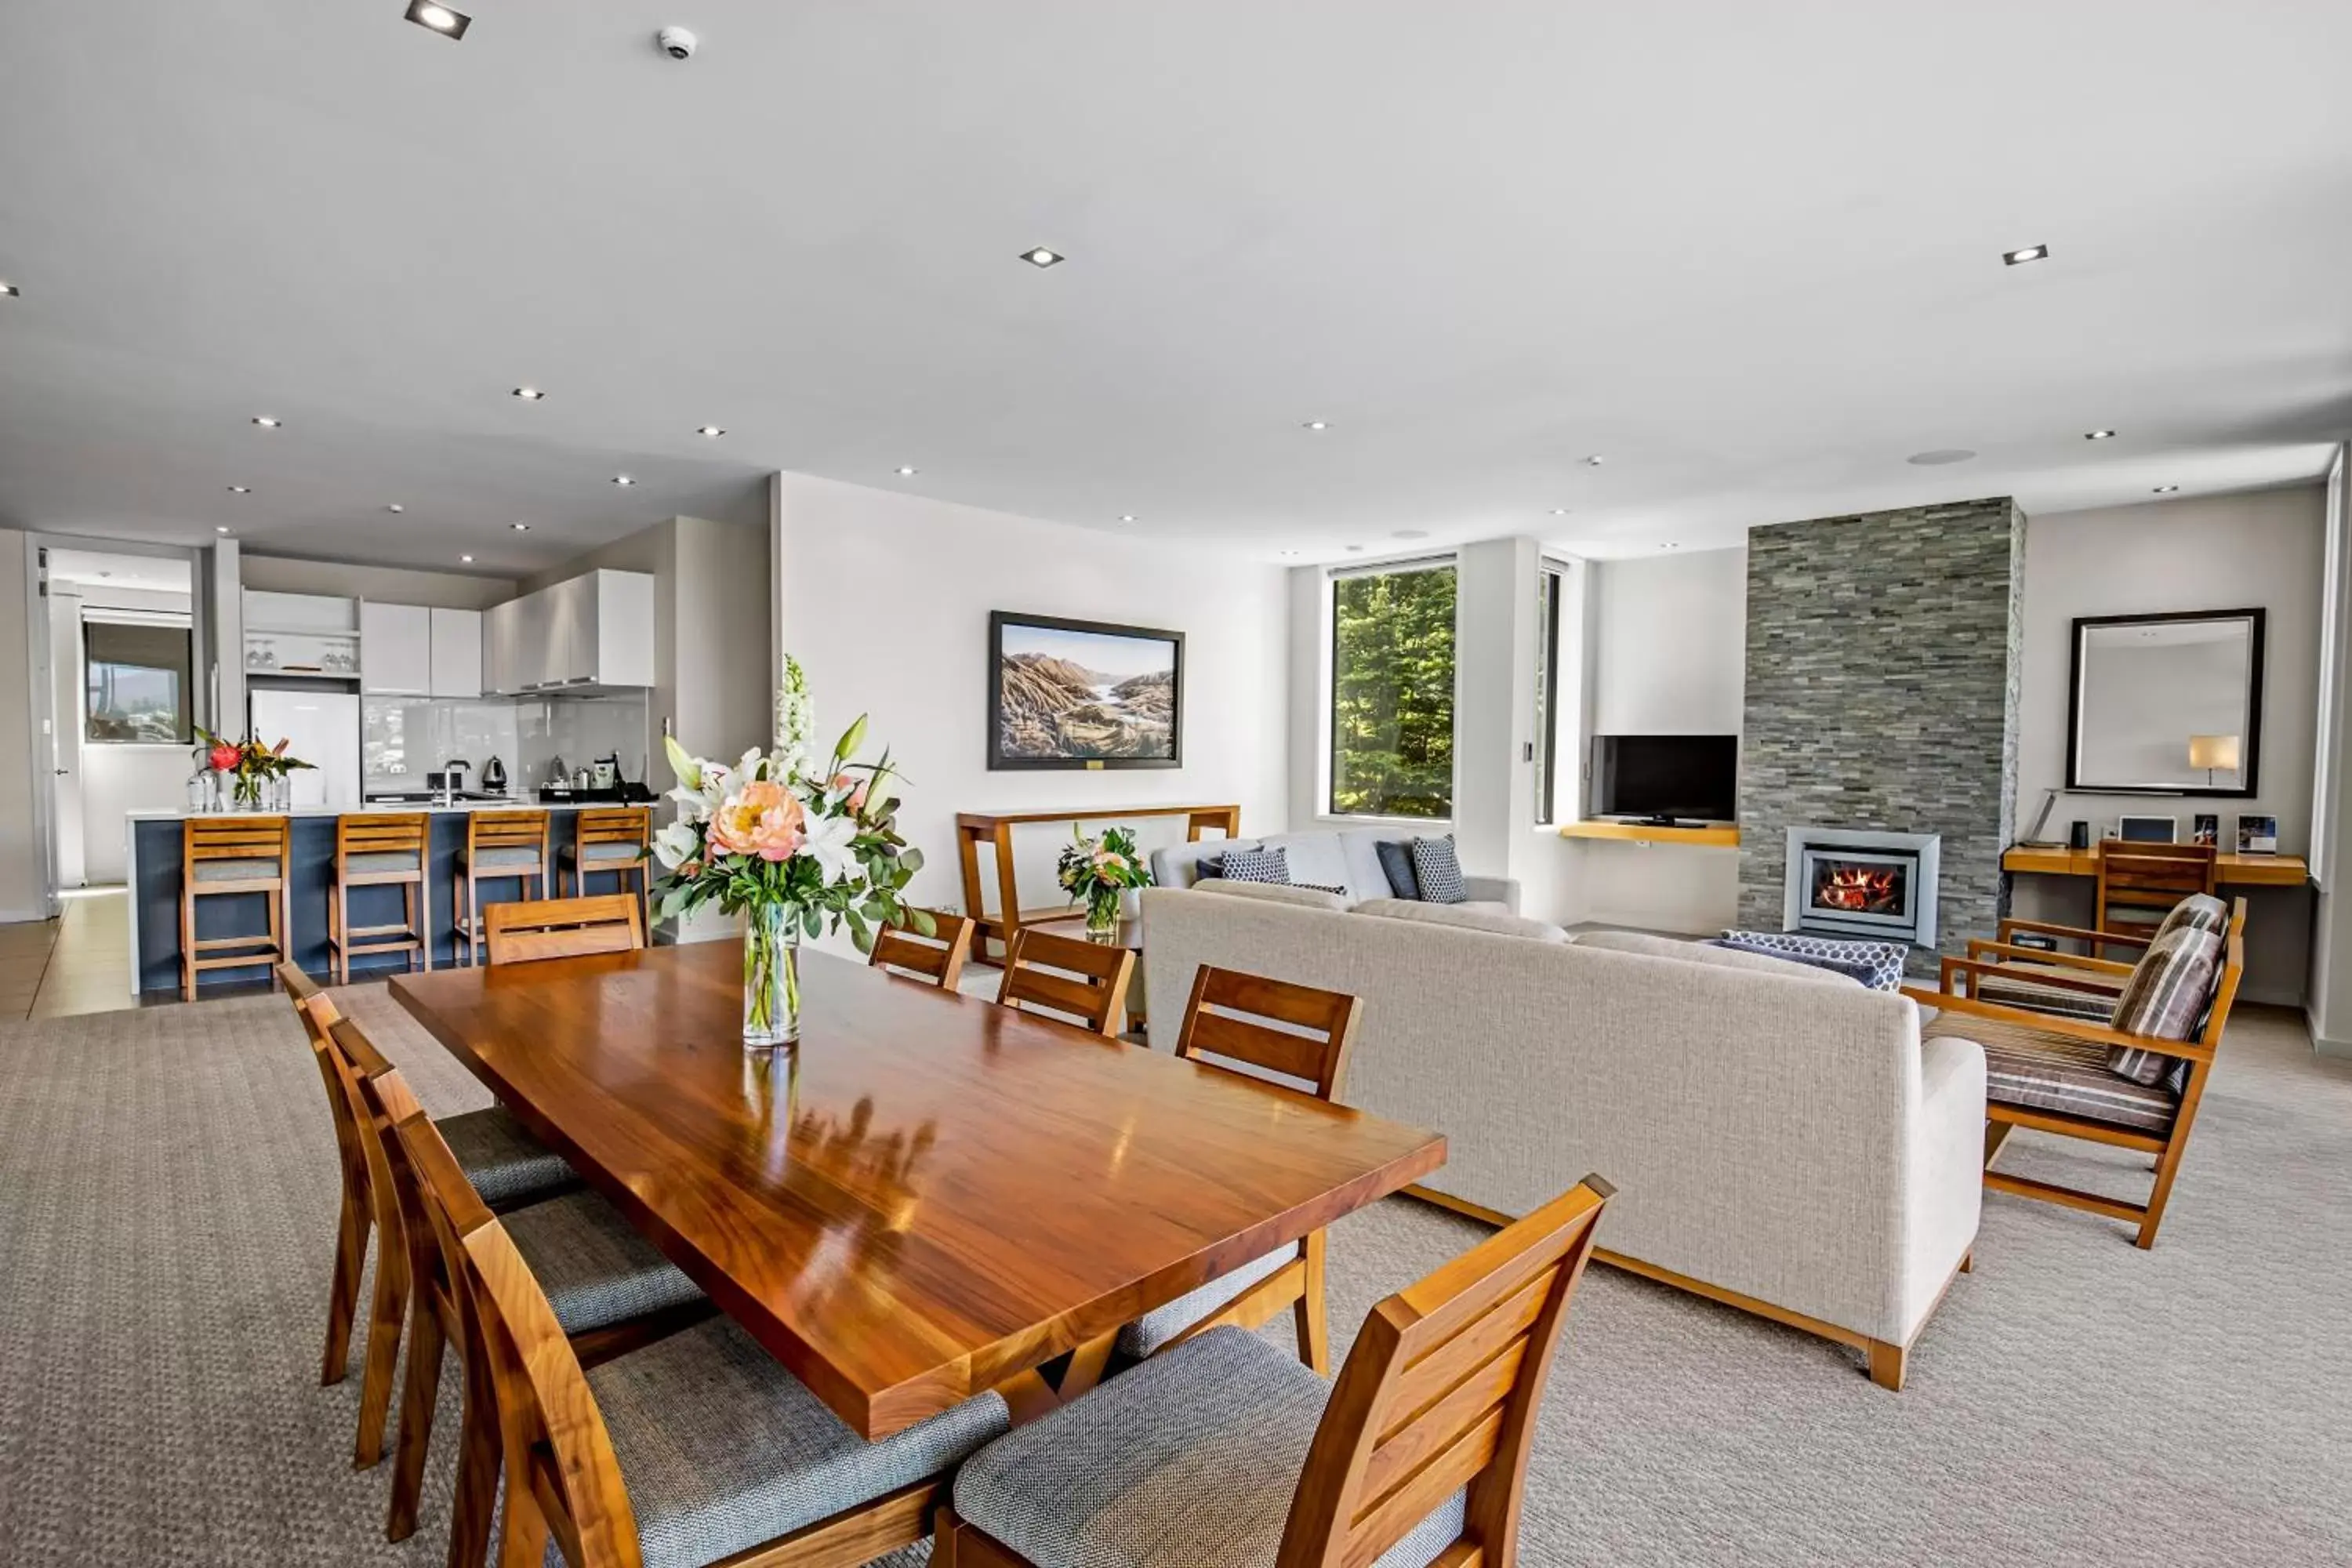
[{"x": 1333, "y": 857}]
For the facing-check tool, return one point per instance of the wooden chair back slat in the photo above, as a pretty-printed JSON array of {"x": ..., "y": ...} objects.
[
  {"x": 614, "y": 824},
  {"x": 506, "y": 830},
  {"x": 563, "y": 1477},
  {"x": 1211, "y": 1027},
  {"x": 380, "y": 833},
  {"x": 564, "y": 928},
  {"x": 235, "y": 838},
  {"x": 2149, "y": 879},
  {"x": 938, "y": 958},
  {"x": 1096, "y": 998},
  {"x": 1441, "y": 1392}
]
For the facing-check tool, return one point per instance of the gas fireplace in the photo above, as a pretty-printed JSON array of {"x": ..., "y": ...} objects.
[{"x": 1845, "y": 882}]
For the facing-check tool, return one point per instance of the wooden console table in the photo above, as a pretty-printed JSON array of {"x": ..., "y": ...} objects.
[
  {"x": 975, "y": 828},
  {"x": 2231, "y": 870}
]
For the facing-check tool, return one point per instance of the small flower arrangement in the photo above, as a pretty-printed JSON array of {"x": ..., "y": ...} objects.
[
  {"x": 1095, "y": 871},
  {"x": 793, "y": 848},
  {"x": 249, "y": 763}
]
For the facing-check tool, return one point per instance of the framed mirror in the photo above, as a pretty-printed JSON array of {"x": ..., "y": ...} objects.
[{"x": 2167, "y": 704}]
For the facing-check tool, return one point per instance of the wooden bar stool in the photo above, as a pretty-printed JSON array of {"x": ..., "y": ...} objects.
[
  {"x": 618, "y": 839},
  {"x": 379, "y": 849},
  {"x": 501, "y": 847},
  {"x": 225, "y": 855}
]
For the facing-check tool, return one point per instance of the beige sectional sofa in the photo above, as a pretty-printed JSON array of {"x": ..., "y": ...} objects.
[{"x": 1780, "y": 1138}]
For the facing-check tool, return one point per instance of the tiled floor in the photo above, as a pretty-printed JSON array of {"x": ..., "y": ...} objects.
[{"x": 79, "y": 962}]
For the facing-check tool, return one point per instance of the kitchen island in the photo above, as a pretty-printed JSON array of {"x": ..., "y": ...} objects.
[{"x": 154, "y": 850}]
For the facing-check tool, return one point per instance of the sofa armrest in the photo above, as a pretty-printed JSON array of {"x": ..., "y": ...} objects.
[
  {"x": 1946, "y": 1187},
  {"x": 1504, "y": 891}
]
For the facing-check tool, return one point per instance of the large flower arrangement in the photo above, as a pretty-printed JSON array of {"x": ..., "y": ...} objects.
[
  {"x": 1095, "y": 871},
  {"x": 249, "y": 763},
  {"x": 793, "y": 846}
]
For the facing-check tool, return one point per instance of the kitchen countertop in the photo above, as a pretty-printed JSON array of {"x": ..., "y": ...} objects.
[{"x": 181, "y": 813}]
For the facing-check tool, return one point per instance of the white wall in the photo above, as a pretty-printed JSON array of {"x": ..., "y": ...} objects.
[
  {"x": 2330, "y": 993},
  {"x": 386, "y": 584},
  {"x": 2259, "y": 549},
  {"x": 23, "y": 896},
  {"x": 887, "y": 600}
]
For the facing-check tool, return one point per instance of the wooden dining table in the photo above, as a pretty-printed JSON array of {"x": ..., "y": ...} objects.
[{"x": 930, "y": 1196}]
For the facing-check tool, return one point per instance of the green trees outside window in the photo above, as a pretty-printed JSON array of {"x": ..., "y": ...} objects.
[{"x": 1392, "y": 693}]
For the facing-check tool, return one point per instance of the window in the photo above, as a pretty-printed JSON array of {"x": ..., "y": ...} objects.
[
  {"x": 1393, "y": 691},
  {"x": 136, "y": 680},
  {"x": 1551, "y": 587}
]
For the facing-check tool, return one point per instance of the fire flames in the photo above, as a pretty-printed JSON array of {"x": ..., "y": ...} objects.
[{"x": 1861, "y": 890}]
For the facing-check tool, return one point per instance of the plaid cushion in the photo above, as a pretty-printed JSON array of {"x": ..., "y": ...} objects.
[
  {"x": 2164, "y": 998},
  {"x": 1256, "y": 865},
  {"x": 2198, "y": 911},
  {"x": 2024, "y": 985},
  {"x": 2039, "y": 1071},
  {"x": 1438, "y": 870}
]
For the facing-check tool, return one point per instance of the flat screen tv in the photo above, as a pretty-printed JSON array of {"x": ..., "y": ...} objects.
[
  {"x": 1666, "y": 777},
  {"x": 1083, "y": 694}
]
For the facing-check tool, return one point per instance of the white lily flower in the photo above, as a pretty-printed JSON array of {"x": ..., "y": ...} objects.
[
  {"x": 828, "y": 843},
  {"x": 676, "y": 845}
]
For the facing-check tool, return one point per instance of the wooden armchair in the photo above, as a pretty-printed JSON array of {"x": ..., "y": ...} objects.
[{"x": 2051, "y": 1073}]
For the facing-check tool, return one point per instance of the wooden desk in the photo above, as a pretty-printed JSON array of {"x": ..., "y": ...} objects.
[
  {"x": 2231, "y": 870},
  {"x": 975, "y": 828},
  {"x": 933, "y": 1194}
]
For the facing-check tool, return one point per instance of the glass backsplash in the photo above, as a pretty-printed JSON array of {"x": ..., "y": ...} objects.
[{"x": 401, "y": 738}]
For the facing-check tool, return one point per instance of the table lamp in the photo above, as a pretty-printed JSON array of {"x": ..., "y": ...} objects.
[{"x": 2213, "y": 752}]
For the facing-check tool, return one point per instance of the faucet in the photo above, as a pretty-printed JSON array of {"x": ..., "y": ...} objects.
[{"x": 452, "y": 780}]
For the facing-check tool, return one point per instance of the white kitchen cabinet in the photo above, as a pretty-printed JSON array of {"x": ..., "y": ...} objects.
[
  {"x": 396, "y": 649},
  {"x": 457, "y": 653},
  {"x": 587, "y": 633}
]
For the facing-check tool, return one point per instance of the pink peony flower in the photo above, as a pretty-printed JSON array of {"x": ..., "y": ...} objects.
[
  {"x": 225, "y": 759},
  {"x": 763, "y": 819}
]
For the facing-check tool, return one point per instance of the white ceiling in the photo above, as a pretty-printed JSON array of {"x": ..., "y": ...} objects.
[{"x": 1749, "y": 253}]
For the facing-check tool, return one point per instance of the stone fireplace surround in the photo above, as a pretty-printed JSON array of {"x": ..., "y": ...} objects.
[{"x": 1881, "y": 696}]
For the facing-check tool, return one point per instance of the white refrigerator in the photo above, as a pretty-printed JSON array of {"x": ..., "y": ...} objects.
[{"x": 323, "y": 728}]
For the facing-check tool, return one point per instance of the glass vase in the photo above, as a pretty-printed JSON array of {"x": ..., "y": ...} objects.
[
  {"x": 249, "y": 791},
  {"x": 772, "y": 976},
  {"x": 1102, "y": 913}
]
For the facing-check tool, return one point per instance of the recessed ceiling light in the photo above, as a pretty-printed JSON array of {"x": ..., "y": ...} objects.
[
  {"x": 906, "y": 470},
  {"x": 713, "y": 431},
  {"x": 622, "y": 480},
  {"x": 395, "y": 506},
  {"x": 1317, "y": 424},
  {"x": 439, "y": 18},
  {"x": 1671, "y": 544},
  {"x": 1410, "y": 533},
  {"x": 1940, "y": 456},
  {"x": 1287, "y": 554},
  {"x": 217, "y": 528},
  {"x": 1560, "y": 512},
  {"x": 240, "y": 490},
  {"x": 466, "y": 559},
  {"x": 2164, "y": 489},
  {"x": 2098, "y": 435},
  {"x": 1355, "y": 550},
  {"x": 7, "y": 290},
  {"x": 2019, "y": 258},
  {"x": 1040, "y": 256},
  {"x": 265, "y": 422},
  {"x": 1594, "y": 461},
  {"x": 521, "y": 527},
  {"x": 1127, "y": 517},
  {"x": 528, "y": 393}
]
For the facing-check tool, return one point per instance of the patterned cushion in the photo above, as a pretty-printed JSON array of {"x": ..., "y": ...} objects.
[
  {"x": 503, "y": 855},
  {"x": 722, "y": 1448},
  {"x": 595, "y": 1270},
  {"x": 1396, "y": 865},
  {"x": 505, "y": 1163},
  {"x": 2042, "y": 1071},
  {"x": 376, "y": 860},
  {"x": 2198, "y": 911},
  {"x": 2168, "y": 992},
  {"x": 1860, "y": 973},
  {"x": 1256, "y": 865},
  {"x": 1438, "y": 871},
  {"x": 607, "y": 851},
  {"x": 259, "y": 868},
  {"x": 1189, "y": 1461},
  {"x": 1157, "y": 1327},
  {"x": 1882, "y": 961},
  {"x": 2023, "y": 984}
]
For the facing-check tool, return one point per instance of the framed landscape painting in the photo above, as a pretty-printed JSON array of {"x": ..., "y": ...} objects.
[{"x": 1083, "y": 694}]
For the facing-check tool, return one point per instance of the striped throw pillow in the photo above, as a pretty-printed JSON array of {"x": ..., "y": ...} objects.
[
  {"x": 2167, "y": 995},
  {"x": 2197, "y": 911}
]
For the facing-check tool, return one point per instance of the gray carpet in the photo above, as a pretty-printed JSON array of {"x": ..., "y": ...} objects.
[{"x": 167, "y": 1192}]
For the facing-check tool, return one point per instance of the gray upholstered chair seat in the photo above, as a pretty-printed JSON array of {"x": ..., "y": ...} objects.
[
  {"x": 503, "y": 1161},
  {"x": 595, "y": 852},
  {"x": 722, "y": 1448},
  {"x": 375, "y": 861},
  {"x": 1144, "y": 1336},
  {"x": 595, "y": 1270},
  {"x": 1189, "y": 1461},
  {"x": 2024, "y": 1067},
  {"x": 259, "y": 868},
  {"x": 506, "y": 855}
]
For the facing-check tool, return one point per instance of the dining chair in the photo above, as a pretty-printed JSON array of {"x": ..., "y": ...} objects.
[
  {"x": 379, "y": 849},
  {"x": 611, "y": 1290},
  {"x": 938, "y": 958},
  {"x": 355, "y": 1213},
  {"x": 1090, "y": 989},
  {"x": 616, "y": 840},
  {"x": 2140, "y": 883},
  {"x": 564, "y": 928},
  {"x": 501, "y": 846},
  {"x": 224, "y": 856},
  {"x": 697, "y": 1450},
  {"x": 1225, "y": 1450},
  {"x": 1271, "y": 1028}
]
